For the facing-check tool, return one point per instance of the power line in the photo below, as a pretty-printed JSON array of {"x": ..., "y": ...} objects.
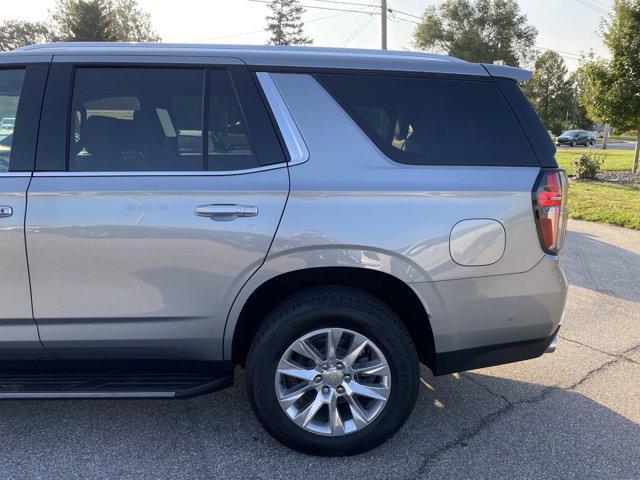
[
  {"x": 597, "y": 6},
  {"x": 399, "y": 19},
  {"x": 563, "y": 53},
  {"x": 568, "y": 55},
  {"x": 593, "y": 7},
  {"x": 356, "y": 31},
  {"x": 267, "y": 2},
  {"x": 393, "y": 10},
  {"x": 266, "y": 29},
  {"x": 346, "y": 3}
]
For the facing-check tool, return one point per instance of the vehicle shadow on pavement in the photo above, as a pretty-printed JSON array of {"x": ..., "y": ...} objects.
[
  {"x": 462, "y": 427},
  {"x": 602, "y": 267}
]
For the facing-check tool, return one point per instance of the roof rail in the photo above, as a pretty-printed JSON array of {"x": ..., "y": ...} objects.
[{"x": 196, "y": 46}]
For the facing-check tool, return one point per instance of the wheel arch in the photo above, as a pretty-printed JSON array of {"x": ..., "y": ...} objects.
[{"x": 393, "y": 291}]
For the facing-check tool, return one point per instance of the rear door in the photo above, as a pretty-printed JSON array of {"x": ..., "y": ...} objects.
[
  {"x": 158, "y": 192},
  {"x": 21, "y": 90}
]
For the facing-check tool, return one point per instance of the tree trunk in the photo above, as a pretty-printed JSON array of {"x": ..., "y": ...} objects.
[
  {"x": 637, "y": 153},
  {"x": 605, "y": 136}
]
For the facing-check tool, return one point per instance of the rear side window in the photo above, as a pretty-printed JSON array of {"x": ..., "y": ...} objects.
[
  {"x": 433, "y": 121},
  {"x": 10, "y": 89},
  {"x": 152, "y": 119},
  {"x": 535, "y": 130},
  {"x": 228, "y": 144},
  {"x": 126, "y": 119}
]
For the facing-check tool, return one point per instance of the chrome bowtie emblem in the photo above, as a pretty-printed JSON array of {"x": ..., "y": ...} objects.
[{"x": 333, "y": 377}]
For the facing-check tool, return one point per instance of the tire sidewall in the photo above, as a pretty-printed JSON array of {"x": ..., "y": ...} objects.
[{"x": 261, "y": 379}]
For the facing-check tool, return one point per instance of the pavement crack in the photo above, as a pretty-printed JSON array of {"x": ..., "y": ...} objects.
[
  {"x": 486, "y": 388},
  {"x": 630, "y": 358},
  {"x": 590, "y": 373},
  {"x": 587, "y": 346},
  {"x": 626, "y": 355},
  {"x": 469, "y": 433}
]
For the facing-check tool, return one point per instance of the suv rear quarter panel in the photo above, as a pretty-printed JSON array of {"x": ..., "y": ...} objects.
[{"x": 351, "y": 196}]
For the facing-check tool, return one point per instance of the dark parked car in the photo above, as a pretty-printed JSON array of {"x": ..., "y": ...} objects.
[{"x": 575, "y": 137}]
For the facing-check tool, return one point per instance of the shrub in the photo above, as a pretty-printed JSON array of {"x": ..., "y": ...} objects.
[{"x": 587, "y": 165}]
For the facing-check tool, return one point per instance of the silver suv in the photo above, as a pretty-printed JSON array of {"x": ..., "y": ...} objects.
[{"x": 326, "y": 219}]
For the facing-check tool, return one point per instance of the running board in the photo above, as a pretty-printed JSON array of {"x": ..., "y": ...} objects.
[{"x": 110, "y": 386}]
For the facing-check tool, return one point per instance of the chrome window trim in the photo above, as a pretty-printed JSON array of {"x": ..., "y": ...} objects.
[
  {"x": 298, "y": 150},
  {"x": 153, "y": 173},
  {"x": 15, "y": 174}
]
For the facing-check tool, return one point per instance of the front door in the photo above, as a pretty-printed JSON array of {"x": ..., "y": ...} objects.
[{"x": 171, "y": 195}]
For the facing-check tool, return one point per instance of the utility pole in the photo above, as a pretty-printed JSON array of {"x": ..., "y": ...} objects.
[{"x": 383, "y": 16}]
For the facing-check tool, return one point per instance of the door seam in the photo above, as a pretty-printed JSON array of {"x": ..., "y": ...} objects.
[
  {"x": 26, "y": 254},
  {"x": 264, "y": 259}
]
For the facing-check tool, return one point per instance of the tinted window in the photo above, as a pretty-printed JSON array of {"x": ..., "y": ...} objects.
[
  {"x": 534, "y": 129},
  {"x": 136, "y": 119},
  {"x": 10, "y": 88},
  {"x": 228, "y": 144},
  {"x": 437, "y": 121}
]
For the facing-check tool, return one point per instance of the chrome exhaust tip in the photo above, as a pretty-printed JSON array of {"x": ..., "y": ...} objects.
[{"x": 552, "y": 346}]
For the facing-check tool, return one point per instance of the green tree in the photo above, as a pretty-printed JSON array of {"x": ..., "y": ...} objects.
[
  {"x": 550, "y": 92},
  {"x": 285, "y": 23},
  {"x": 102, "y": 21},
  {"x": 611, "y": 90},
  {"x": 579, "y": 115},
  {"x": 15, "y": 34},
  {"x": 477, "y": 31},
  {"x": 134, "y": 24}
]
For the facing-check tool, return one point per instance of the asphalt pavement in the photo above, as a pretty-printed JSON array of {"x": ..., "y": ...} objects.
[{"x": 571, "y": 414}]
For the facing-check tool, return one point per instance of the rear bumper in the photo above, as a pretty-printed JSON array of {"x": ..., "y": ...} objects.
[
  {"x": 479, "y": 322},
  {"x": 472, "y": 358}
]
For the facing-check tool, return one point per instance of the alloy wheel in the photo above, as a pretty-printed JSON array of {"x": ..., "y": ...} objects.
[{"x": 333, "y": 381}]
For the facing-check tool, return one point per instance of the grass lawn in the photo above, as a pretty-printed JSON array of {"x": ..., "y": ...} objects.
[
  {"x": 627, "y": 138},
  {"x": 616, "y": 159},
  {"x": 617, "y": 204}
]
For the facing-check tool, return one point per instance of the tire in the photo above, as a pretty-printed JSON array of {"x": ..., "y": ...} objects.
[
  {"x": 573, "y": 143},
  {"x": 341, "y": 309}
]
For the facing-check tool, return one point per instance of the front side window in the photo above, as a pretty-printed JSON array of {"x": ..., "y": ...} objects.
[
  {"x": 433, "y": 121},
  {"x": 10, "y": 88},
  {"x": 136, "y": 119}
]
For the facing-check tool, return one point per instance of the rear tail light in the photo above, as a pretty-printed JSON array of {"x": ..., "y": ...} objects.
[{"x": 550, "y": 208}]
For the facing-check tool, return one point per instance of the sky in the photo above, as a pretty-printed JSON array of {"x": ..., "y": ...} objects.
[{"x": 567, "y": 26}]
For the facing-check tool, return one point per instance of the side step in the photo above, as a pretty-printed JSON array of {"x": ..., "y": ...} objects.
[{"x": 105, "y": 386}]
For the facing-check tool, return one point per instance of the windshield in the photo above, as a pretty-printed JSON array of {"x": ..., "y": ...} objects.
[{"x": 571, "y": 133}]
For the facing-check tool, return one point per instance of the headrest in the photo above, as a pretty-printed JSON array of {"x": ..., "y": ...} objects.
[{"x": 108, "y": 136}]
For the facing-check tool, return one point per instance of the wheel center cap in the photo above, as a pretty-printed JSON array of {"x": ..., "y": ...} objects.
[{"x": 333, "y": 377}]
